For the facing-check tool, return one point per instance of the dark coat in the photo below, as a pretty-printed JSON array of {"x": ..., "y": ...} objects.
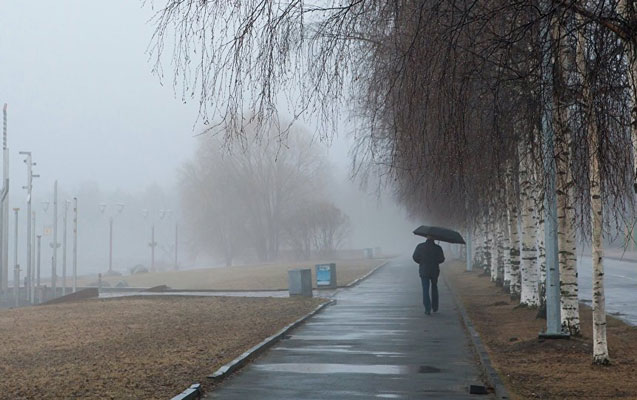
[{"x": 428, "y": 255}]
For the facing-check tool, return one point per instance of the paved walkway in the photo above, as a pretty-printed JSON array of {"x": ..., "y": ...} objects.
[{"x": 376, "y": 342}]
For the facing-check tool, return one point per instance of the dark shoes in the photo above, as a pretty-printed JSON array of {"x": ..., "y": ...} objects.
[{"x": 427, "y": 312}]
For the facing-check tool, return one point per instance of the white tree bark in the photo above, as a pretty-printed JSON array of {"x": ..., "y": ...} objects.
[
  {"x": 600, "y": 343},
  {"x": 495, "y": 240},
  {"x": 506, "y": 251},
  {"x": 564, "y": 188},
  {"x": 488, "y": 245},
  {"x": 501, "y": 246},
  {"x": 514, "y": 250},
  {"x": 528, "y": 267}
]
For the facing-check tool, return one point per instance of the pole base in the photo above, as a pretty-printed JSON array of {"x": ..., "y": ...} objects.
[{"x": 553, "y": 335}]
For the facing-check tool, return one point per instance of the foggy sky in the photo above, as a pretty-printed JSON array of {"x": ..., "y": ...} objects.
[{"x": 83, "y": 100}]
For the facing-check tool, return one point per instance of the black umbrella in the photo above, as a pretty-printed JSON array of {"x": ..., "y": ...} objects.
[{"x": 438, "y": 233}]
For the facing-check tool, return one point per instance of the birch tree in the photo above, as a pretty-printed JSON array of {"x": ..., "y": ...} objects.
[
  {"x": 564, "y": 182},
  {"x": 528, "y": 268}
]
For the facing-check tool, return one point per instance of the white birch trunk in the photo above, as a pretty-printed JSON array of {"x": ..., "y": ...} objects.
[
  {"x": 514, "y": 249},
  {"x": 501, "y": 239},
  {"x": 506, "y": 251},
  {"x": 493, "y": 268},
  {"x": 600, "y": 343},
  {"x": 564, "y": 184},
  {"x": 528, "y": 267},
  {"x": 538, "y": 216},
  {"x": 488, "y": 235}
]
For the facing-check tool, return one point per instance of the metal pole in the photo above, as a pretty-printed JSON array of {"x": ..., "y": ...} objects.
[
  {"x": 553, "y": 317},
  {"x": 55, "y": 244},
  {"x": 5, "y": 205},
  {"x": 66, "y": 209},
  {"x": 74, "y": 244},
  {"x": 16, "y": 270},
  {"x": 37, "y": 273},
  {"x": 176, "y": 246},
  {"x": 32, "y": 289},
  {"x": 152, "y": 248},
  {"x": 29, "y": 189},
  {"x": 110, "y": 246}
]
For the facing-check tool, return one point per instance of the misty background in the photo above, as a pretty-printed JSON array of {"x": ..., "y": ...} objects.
[{"x": 82, "y": 98}]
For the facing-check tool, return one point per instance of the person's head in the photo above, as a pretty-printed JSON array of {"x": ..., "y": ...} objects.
[{"x": 429, "y": 237}]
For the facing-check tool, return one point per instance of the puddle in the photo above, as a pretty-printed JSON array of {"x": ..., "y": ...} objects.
[
  {"x": 340, "y": 349},
  {"x": 321, "y": 368}
]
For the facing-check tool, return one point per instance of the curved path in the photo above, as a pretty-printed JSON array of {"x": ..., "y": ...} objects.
[{"x": 375, "y": 342}]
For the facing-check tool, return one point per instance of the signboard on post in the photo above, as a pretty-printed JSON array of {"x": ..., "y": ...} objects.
[{"x": 325, "y": 276}]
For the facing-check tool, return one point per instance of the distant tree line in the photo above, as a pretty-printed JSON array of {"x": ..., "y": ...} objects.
[{"x": 258, "y": 197}]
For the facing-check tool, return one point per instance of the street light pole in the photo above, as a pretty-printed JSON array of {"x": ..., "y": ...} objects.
[
  {"x": 120, "y": 208},
  {"x": 553, "y": 317},
  {"x": 32, "y": 281},
  {"x": 110, "y": 245},
  {"x": 29, "y": 188},
  {"x": 152, "y": 245},
  {"x": 176, "y": 246},
  {"x": 16, "y": 269},
  {"x": 66, "y": 210},
  {"x": 38, "y": 268},
  {"x": 74, "y": 244},
  {"x": 5, "y": 206},
  {"x": 55, "y": 243}
]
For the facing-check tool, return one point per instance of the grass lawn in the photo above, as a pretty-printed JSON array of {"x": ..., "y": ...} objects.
[
  {"x": 131, "y": 348},
  {"x": 248, "y": 277}
]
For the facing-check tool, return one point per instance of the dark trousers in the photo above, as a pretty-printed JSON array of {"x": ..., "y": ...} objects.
[{"x": 426, "y": 281}]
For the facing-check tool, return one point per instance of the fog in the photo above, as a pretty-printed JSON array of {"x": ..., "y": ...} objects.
[{"x": 82, "y": 98}]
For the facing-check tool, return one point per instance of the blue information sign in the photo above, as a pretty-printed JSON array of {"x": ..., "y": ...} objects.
[{"x": 323, "y": 275}]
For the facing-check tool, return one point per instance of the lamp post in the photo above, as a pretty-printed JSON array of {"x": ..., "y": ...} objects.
[
  {"x": 74, "y": 244},
  {"x": 176, "y": 246},
  {"x": 54, "y": 245},
  {"x": 33, "y": 278},
  {"x": 553, "y": 318},
  {"x": 37, "y": 273},
  {"x": 64, "y": 219},
  {"x": 153, "y": 244},
  {"x": 4, "y": 211},
  {"x": 29, "y": 188},
  {"x": 119, "y": 207},
  {"x": 16, "y": 268}
]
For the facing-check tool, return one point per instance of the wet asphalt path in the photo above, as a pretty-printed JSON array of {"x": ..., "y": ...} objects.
[{"x": 375, "y": 342}]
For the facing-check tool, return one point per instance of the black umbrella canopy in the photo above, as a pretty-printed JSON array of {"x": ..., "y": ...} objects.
[{"x": 438, "y": 233}]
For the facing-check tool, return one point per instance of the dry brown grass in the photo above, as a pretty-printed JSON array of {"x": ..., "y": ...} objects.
[
  {"x": 249, "y": 277},
  {"x": 131, "y": 348},
  {"x": 554, "y": 369}
]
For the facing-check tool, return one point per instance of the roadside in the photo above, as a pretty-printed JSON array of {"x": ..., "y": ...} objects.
[{"x": 557, "y": 369}]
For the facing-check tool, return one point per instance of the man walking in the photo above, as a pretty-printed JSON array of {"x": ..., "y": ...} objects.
[{"x": 429, "y": 256}]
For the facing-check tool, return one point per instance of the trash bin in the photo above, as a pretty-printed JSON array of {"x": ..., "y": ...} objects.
[{"x": 300, "y": 282}]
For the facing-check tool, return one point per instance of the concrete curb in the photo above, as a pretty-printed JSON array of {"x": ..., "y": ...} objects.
[
  {"x": 493, "y": 379},
  {"x": 192, "y": 393},
  {"x": 240, "y": 361}
]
